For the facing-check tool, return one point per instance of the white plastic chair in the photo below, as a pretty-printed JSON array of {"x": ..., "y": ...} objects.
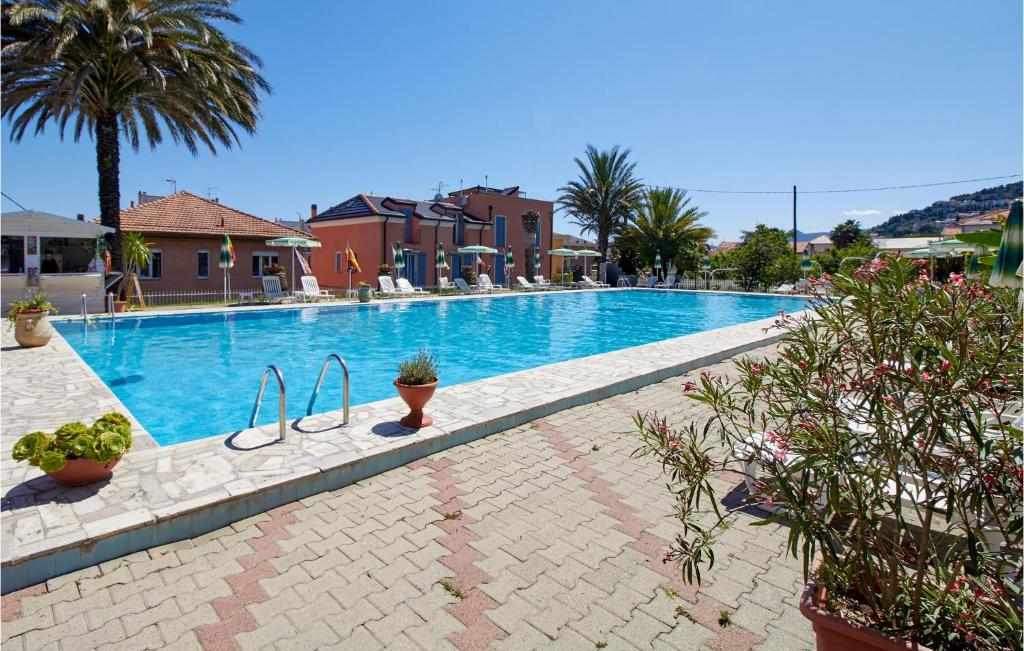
[
  {"x": 405, "y": 287},
  {"x": 484, "y": 281},
  {"x": 272, "y": 290},
  {"x": 311, "y": 290}
]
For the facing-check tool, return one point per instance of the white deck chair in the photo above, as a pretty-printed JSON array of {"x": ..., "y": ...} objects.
[
  {"x": 272, "y": 290},
  {"x": 785, "y": 288},
  {"x": 311, "y": 290},
  {"x": 587, "y": 282},
  {"x": 540, "y": 282},
  {"x": 405, "y": 287},
  {"x": 443, "y": 283},
  {"x": 387, "y": 287},
  {"x": 484, "y": 281},
  {"x": 527, "y": 285},
  {"x": 463, "y": 286}
]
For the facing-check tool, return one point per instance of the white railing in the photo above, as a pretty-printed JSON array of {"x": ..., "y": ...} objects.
[{"x": 169, "y": 298}]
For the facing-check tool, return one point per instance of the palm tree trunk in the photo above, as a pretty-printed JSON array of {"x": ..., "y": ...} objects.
[{"x": 108, "y": 162}]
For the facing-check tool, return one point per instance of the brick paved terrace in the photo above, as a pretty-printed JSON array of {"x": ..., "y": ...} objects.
[{"x": 548, "y": 535}]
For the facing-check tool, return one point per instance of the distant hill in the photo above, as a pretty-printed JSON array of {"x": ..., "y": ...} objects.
[{"x": 930, "y": 220}]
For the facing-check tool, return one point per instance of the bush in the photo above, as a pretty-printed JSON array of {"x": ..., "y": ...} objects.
[
  {"x": 419, "y": 369},
  {"x": 108, "y": 439},
  {"x": 36, "y": 303},
  {"x": 882, "y": 436},
  {"x": 469, "y": 274}
]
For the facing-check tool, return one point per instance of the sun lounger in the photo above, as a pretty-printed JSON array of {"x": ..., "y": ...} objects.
[
  {"x": 387, "y": 287},
  {"x": 593, "y": 284},
  {"x": 527, "y": 285},
  {"x": 311, "y": 290},
  {"x": 463, "y": 286},
  {"x": 651, "y": 282},
  {"x": 785, "y": 288},
  {"x": 540, "y": 282},
  {"x": 405, "y": 287},
  {"x": 484, "y": 282},
  {"x": 272, "y": 290}
]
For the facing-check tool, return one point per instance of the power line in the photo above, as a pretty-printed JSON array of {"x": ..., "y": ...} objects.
[
  {"x": 879, "y": 189},
  {"x": 8, "y": 197}
]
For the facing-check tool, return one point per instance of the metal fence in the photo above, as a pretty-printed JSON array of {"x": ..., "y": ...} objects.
[{"x": 167, "y": 299}]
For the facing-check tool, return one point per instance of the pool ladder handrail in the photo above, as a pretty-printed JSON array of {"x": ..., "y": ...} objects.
[
  {"x": 281, "y": 401},
  {"x": 320, "y": 381}
]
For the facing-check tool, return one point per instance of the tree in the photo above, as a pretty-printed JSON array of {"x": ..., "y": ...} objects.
[
  {"x": 666, "y": 223},
  {"x": 605, "y": 194},
  {"x": 855, "y": 255},
  {"x": 765, "y": 258},
  {"x": 849, "y": 233},
  {"x": 120, "y": 68}
]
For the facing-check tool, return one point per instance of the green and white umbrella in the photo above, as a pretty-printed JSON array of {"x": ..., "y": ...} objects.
[
  {"x": 440, "y": 261},
  {"x": 805, "y": 264},
  {"x": 562, "y": 253},
  {"x": 477, "y": 248},
  {"x": 706, "y": 262},
  {"x": 509, "y": 261},
  {"x": 536, "y": 260},
  {"x": 294, "y": 243},
  {"x": 399, "y": 257},
  {"x": 587, "y": 253},
  {"x": 1011, "y": 255},
  {"x": 657, "y": 263}
]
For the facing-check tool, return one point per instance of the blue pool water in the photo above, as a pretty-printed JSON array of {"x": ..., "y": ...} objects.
[{"x": 194, "y": 375}]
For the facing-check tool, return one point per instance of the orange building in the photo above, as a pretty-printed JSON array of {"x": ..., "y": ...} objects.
[
  {"x": 372, "y": 224},
  {"x": 185, "y": 231}
]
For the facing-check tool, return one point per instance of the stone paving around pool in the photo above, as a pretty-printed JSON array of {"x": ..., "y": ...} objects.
[{"x": 547, "y": 535}]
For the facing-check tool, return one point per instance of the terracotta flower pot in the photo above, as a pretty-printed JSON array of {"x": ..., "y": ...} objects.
[
  {"x": 833, "y": 633},
  {"x": 33, "y": 328},
  {"x": 80, "y": 472},
  {"x": 120, "y": 306},
  {"x": 416, "y": 396}
]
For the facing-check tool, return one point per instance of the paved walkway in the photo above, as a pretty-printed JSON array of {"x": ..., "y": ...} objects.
[{"x": 545, "y": 536}]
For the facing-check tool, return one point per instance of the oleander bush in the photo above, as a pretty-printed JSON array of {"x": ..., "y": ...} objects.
[
  {"x": 108, "y": 439},
  {"x": 418, "y": 369},
  {"x": 886, "y": 437}
]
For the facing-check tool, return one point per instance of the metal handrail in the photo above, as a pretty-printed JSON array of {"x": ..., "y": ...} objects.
[
  {"x": 110, "y": 304},
  {"x": 85, "y": 308},
  {"x": 320, "y": 381},
  {"x": 281, "y": 398}
]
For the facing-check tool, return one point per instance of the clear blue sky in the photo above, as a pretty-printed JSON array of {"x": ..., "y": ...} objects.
[{"x": 394, "y": 97}]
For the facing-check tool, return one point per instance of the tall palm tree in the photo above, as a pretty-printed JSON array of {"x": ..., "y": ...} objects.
[
  {"x": 131, "y": 68},
  {"x": 666, "y": 223},
  {"x": 605, "y": 194}
]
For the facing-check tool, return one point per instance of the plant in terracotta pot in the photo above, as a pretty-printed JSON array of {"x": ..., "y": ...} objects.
[
  {"x": 29, "y": 318},
  {"x": 886, "y": 437},
  {"x": 76, "y": 455},
  {"x": 416, "y": 382},
  {"x": 365, "y": 292}
]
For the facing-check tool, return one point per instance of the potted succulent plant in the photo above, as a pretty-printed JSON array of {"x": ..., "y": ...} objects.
[
  {"x": 416, "y": 382},
  {"x": 29, "y": 318},
  {"x": 76, "y": 455},
  {"x": 365, "y": 292},
  {"x": 885, "y": 436}
]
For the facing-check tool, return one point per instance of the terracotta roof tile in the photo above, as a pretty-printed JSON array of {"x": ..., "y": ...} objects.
[{"x": 184, "y": 212}]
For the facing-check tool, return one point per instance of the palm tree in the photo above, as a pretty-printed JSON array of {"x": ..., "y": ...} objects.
[
  {"x": 605, "y": 194},
  {"x": 127, "y": 68},
  {"x": 666, "y": 223}
]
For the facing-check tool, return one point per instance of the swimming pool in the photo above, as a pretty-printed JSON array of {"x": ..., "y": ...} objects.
[{"x": 189, "y": 376}]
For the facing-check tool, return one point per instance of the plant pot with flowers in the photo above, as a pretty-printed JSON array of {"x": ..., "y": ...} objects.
[
  {"x": 30, "y": 320},
  {"x": 365, "y": 292},
  {"x": 76, "y": 455},
  {"x": 885, "y": 436},
  {"x": 416, "y": 382}
]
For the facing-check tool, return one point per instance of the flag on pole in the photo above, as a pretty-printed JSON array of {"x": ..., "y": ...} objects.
[
  {"x": 480, "y": 262},
  {"x": 350, "y": 257},
  {"x": 302, "y": 263}
]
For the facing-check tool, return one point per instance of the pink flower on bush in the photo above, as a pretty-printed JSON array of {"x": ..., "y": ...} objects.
[
  {"x": 957, "y": 280},
  {"x": 689, "y": 386},
  {"x": 946, "y": 364},
  {"x": 926, "y": 377}
]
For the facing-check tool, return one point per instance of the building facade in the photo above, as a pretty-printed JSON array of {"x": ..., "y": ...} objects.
[
  {"x": 185, "y": 232},
  {"x": 372, "y": 224}
]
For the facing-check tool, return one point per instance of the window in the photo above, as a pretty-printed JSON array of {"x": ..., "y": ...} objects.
[
  {"x": 12, "y": 258},
  {"x": 499, "y": 231},
  {"x": 460, "y": 230},
  {"x": 202, "y": 264},
  {"x": 337, "y": 261},
  {"x": 261, "y": 261},
  {"x": 154, "y": 267}
]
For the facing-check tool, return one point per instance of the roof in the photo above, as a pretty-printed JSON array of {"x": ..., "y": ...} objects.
[
  {"x": 571, "y": 240},
  {"x": 822, "y": 239},
  {"x": 370, "y": 205},
  {"x": 479, "y": 189},
  {"x": 723, "y": 246},
  {"x": 950, "y": 231},
  {"x": 34, "y": 222},
  {"x": 184, "y": 212},
  {"x": 800, "y": 246},
  {"x": 899, "y": 243}
]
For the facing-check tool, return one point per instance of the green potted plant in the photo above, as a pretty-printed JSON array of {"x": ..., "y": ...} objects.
[
  {"x": 365, "y": 292},
  {"x": 885, "y": 437},
  {"x": 416, "y": 382},
  {"x": 30, "y": 320},
  {"x": 76, "y": 455}
]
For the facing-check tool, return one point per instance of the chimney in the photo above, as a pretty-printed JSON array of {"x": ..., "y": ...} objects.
[
  {"x": 131, "y": 204},
  {"x": 140, "y": 197},
  {"x": 312, "y": 210},
  {"x": 81, "y": 217}
]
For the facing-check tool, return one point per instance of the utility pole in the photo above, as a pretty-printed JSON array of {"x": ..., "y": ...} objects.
[{"x": 794, "y": 219}]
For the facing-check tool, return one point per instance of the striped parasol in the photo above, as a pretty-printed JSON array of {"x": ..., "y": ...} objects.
[
  {"x": 1010, "y": 256},
  {"x": 227, "y": 253},
  {"x": 396, "y": 252},
  {"x": 440, "y": 261},
  {"x": 805, "y": 264},
  {"x": 536, "y": 260},
  {"x": 509, "y": 262}
]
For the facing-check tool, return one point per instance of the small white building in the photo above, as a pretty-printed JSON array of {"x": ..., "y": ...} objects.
[
  {"x": 902, "y": 245},
  {"x": 55, "y": 255}
]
